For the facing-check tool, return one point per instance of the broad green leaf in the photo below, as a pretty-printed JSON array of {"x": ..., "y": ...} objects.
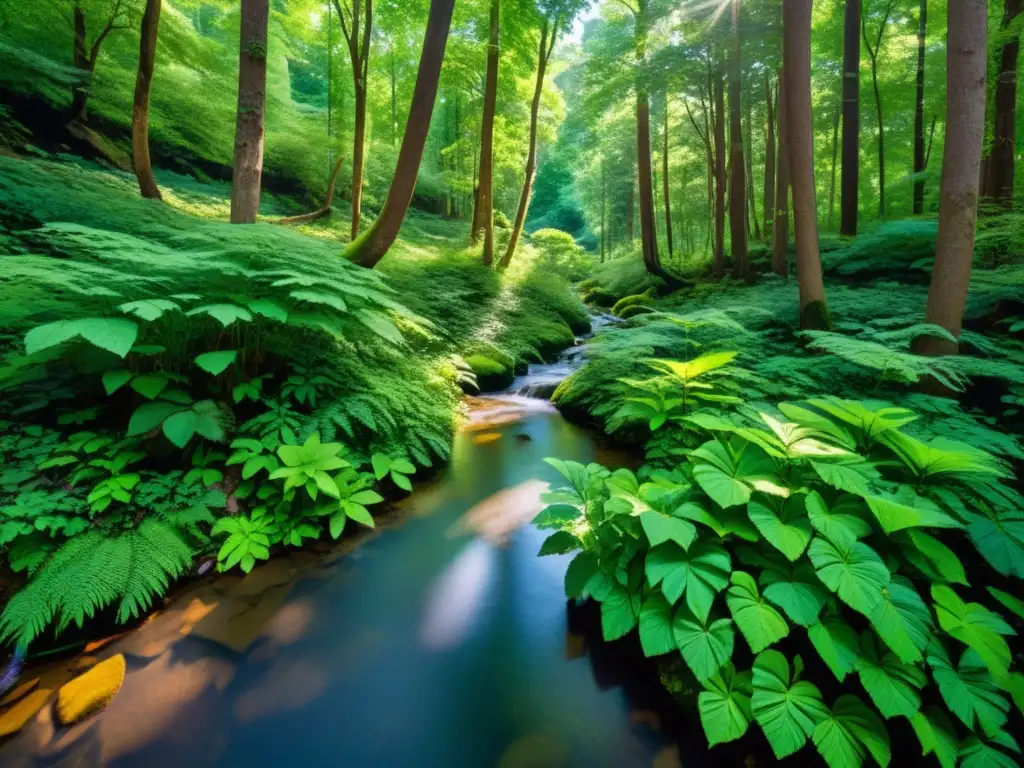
[
  {"x": 114, "y": 380},
  {"x": 788, "y": 714},
  {"x": 149, "y": 309},
  {"x": 852, "y": 478},
  {"x": 661, "y": 528},
  {"x": 969, "y": 691},
  {"x": 705, "y": 647},
  {"x": 975, "y": 626},
  {"x": 796, "y": 590},
  {"x": 760, "y": 624},
  {"x": 216, "y": 362},
  {"x": 931, "y": 556},
  {"x": 697, "y": 514},
  {"x": 975, "y": 753},
  {"x": 729, "y": 473},
  {"x": 724, "y": 705},
  {"x": 225, "y": 314},
  {"x": 270, "y": 309},
  {"x": 150, "y": 385},
  {"x": 656, "y": 635},
  {"x": 687, "y": 371},
  {"x": 114, "y": 334},
  {"x": 559, "y": 543},
  {"x": 619, "y": 613},
  {"x": 787, "y": 529},
  {"x": 895, "y": 514},
  {"x": 837, "y": 644},
  {"x": 937, "y": 736},
  {"x": 148, "y": 417},
  {"x": 181, "y": 426},
  {"x": 580, "y": 571},
  {"x": 840, "y": 524},
  {"x": 1000, "y": 540},
  {"x": 856, "y": 573},
  {"x": 320, "y": 297},
  {"x": 1015, "y": 604},
  {"x": 893, "y": 686},
  {"x": 851, "y": 732},
  {"x": 699, "y": 573},
  {"x": 359, "y": 513},
  {"x": 902, "y": 620}
]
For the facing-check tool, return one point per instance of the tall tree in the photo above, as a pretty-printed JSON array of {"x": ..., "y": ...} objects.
[
  {"x": 796, "y": 54},
  {"x": 664, "y": 181},
  {"x": 851, "y": 118},
  {"x": 922, "y": 31},
  {"x": 835, "y": 154},
  {"x": 357, "y": 27},
  {"x": 718, "y": 116},
  {"x": 999, "y": 165},
  {"x": 250, "y": 120},
  {"x": 140, "y": 109},
  {"x": 85, "y": 55},
  {"x": 769, "y": 159},
  {"x": 483, "y": 207},
  {"x": 873, "y": 51},
  {"x": 780, "y": 232},
  {"x": 966, "y": 71},
  {"x": 748, "y": 153},
  {"x": 368, "y": 249},
  {"x": 604, "y": 201},
  {"x": 737, "y": 162}
]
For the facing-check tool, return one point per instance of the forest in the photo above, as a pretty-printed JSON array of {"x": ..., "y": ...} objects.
[{"x": 566, "y": 382}]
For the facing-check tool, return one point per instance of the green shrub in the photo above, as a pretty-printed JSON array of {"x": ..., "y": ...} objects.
[
  {"x": 501, "y": 221},
  {"x": 562, "y": 254},
  {"x": 905, "y": 247},
  {"x": 490, "y": 374}
]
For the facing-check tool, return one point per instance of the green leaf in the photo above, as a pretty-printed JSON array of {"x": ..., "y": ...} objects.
[
  {"x": 216, "y": 362},
  {"x": 148, "y": 417},
  {"x": 902, "y": 620},
  {"x": 181, "y": 426},
  {"x": 580, "y": 571},
  {"x": 270, "y": 309},
  {"x": 788, "y": 714},
  {"x": 661, "y": 528},
  {"x": 114, "y": 334},
  {"x": 1000, "y": 540},
  {"x": 150, "y": 385},
  {"x": 114, "y": 380},
  {"x": 937, "y": 736},
  {"x": 760, "y": 624},
  {"x": 381, "y": 325},
  {"x": 969, "y": 691},
  {"x": 931, "y": 555},
  {"x": 401, "y": 481},
  {"x": 705, "y": 647},
  {"x": 225, "y": 314},
  {"x": 892, "y": 685},
  {"x": 836, "y": 643},
  {"x": 724, "y": 705},
  {"x": 556, "y": 516},
  {"x": 656, "y": 635},
  {"x": 852, "y": 478},
  {"x": 359, "y": 513},
  {"x": 559, "y": 543},
  {"x": 795, "y": 590},
  {"x": 895, "y": 515},
  {"x": 728, "y": 474},
  {"x": 149, "y": 309},
  {"x": 1015, "y": 604},
  {"x": 977, "y": 754},
  {"x": 619, "y": 613},
  {"x": 975, "y": 626},
  {"x": 841, "y": 524},
  {"x": 850, "y": 733},
  {"x": 381, "y": 465},
  {"x": 856, "y": 573},
  {"x": 787, "y": 529},
  {"x": 699, "y": 573}
]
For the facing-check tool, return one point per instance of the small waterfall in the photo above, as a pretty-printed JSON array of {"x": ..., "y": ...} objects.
[{"x": 542, "y": 379}]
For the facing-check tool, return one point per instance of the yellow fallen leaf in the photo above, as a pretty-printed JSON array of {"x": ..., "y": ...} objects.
[
  {"x": 14, "y": 719},
  {"x": 90, "y": 692}
]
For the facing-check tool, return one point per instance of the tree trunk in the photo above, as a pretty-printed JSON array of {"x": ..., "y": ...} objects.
[
  {"x": 358, "y": 158},
  {"x": 780, "y": 232},
  {"x": 769, "y": 161},
  {"x": 922, "y": 31},
  {"x": 394, "y": 100},
  {"x": 80, "y": 91},
  {"x": 483, "y": 207},
  {"x": 799, "y": 125},
  {"x": 1000, "y": 163},
  {"x": 873, "y": 58},
  {"x": 252, "y": 107},
  {"x": 604, "y": 199},
  {"x": 851, "y": 118},
  {"x": 966, "y": 64},
  {"x": 645, "y": 171},
  {"x": 718, "y": 260},
  {"x": 543, "y": 54},
  {"x": 665, "y": 184},
  {"x": 140, "y": 109},
  {"x": 749, "y": 155},
  {"x": 370, "y": 247},
  {"x": 835, "y": 157},
  {"x": 737, "y": 163},
  {"x": 631, "y": 214}
]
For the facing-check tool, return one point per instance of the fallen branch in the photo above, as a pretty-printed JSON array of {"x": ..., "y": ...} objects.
[{"x": 320, "y": 212}]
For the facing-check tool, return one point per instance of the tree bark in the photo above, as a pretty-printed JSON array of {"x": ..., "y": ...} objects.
[
  {"x": 370, "y": 247},
  {"x": 922, "y": 31},
  {"x": 140, "y": 109},
  {"x": 323, "y": 210},
  {"x": 85, "y": 58},
  {"x": 749, "y": 155},
  {"x": 780, "y": 231},
  {"x": 604, "y": 200},
  {"x": 966, "y": 65},
  {"x": 709, "y": 161},
  {"x": 737, "y": 162},
  {"x": 851, "y": 118},
  {"x": 873, "y": 57},
  {"x": 769, "y": 160},
  {"x": 998, "y": 182},
  {"x": 483, "y": 206},
  {"x": 359, "y": 55},
  {"x": 835, "y": 157},
  {"x": 718, "y": 260},
  {"x": 664, "y": 181},
  {"x": 394, "y": 99},
  {"x": 543, "y": 54},
  {"x": 251, "y": 116},
  {"x": 645, "y": 171},
  {"x": 814, "y": 313}
]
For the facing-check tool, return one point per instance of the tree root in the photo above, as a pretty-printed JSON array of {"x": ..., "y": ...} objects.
[{"x": 325, "y": 209}]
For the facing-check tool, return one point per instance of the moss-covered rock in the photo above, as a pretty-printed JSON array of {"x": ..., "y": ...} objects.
[
  {"x": 600, "y": 297},
  {"x": 490, "y": 374},
  {"x": 635, "y": 309},
  {"x": 645, "y": 298},
  {"x": 91, "y": 692}
]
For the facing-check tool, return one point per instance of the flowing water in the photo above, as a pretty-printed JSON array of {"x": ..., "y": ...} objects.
[{"x": 442, "y": 641}]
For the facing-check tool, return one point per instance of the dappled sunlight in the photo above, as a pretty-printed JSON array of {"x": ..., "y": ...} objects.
[
  {"x": 499, "y": 515},
  {"x": 288, "y": 684},
  {"x": 457, "y": 596}
]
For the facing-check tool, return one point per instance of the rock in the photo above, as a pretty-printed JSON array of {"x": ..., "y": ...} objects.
[
  {"x": 90, "y": 692},
  {"x": 14, "y": 719},
  {"x": 18, "y": 692},
  {"x": 522, "y": 437}
]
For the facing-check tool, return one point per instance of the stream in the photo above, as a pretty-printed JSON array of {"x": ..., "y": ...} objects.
[{"x": 442, "y": 641}]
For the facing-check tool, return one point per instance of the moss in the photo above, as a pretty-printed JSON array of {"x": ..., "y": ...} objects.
[
  {"x": 634, "y": 310},
  {"x": 600, "y": 298},
  {"x": 630, "y": 301},
  {"x": 490, "y": 374},
  {"x": 815, "y": 317}
]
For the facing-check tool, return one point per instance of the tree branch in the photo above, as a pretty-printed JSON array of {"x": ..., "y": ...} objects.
[{"x": 107, "y": 29}]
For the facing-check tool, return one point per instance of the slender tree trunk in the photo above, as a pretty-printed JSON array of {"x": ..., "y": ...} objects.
[
  {"x": 769, "y": 161},
  {"x": 140, "y": 109},
  {"x": 80, "y": 91},
  {"x": 966, "y": 65},
  {"x": 358, "y": 158},
  {"x": 370, "y": 247},
  {"x": 604, "y": 200},
  {"x": 1000, "y": 163},
  {"x": 738, "y": 175},
  {"x": 359, "y": 18},
  {"x": 922, "y": 31},
  {"x": 631, "y": 214},
  {"x": 252, "y": 108},
  {"x": 323, "y": 210},
  {"x": 665, "y": 182},
  {"x": 718, "y": 260},
  {"x": 645, "y": 171},
  {"x": 394, "y": 100},
  {"x": 749, "y": 155},
  {"x": 814, "y": 313},
  {"x": 483, "y": 217},
  {"x": 780, "y": 232},
  {"x": 543, "y": 54},
  {"x": 873, "y": 58},
  {"x": 851, "y": 118},
  {"x": 835, "y": 157}
]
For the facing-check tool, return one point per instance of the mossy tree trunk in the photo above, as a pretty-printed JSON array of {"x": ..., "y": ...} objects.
[
  {"x": 483, "y": 207},
  {"x": 250, "y": 121},
  {"x": 140, "y": 109}
]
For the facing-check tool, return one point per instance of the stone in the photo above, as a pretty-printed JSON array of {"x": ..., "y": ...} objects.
[
  {"x": 15, "y": 718},
  {"x": 18, "y": 692},
  {"x": 91, "y": 692}
]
